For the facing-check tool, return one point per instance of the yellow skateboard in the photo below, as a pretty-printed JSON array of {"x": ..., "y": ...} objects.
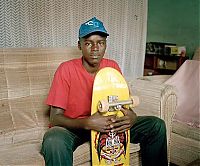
[{"x": 110, "y": 93}]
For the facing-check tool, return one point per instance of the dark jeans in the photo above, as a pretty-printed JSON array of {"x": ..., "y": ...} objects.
[{"x": 59, "y": 143}]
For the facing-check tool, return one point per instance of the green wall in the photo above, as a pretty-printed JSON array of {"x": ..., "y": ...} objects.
[{"x": 174, "y": 21}]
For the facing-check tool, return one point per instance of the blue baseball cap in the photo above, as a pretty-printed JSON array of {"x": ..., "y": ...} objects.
[{"x": 92, "y": 25}]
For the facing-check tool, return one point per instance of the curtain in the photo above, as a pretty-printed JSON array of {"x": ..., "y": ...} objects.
[{"x": 55, "y": 23}]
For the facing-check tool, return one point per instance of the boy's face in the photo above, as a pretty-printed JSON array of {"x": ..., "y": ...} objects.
[{"x": 93, "y": 49}]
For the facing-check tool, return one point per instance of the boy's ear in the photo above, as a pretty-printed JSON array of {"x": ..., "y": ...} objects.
[{"x": 79, "y": 45}]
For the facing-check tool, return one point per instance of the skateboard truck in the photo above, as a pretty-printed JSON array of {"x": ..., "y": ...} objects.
[{"x": 115, "y": 104}]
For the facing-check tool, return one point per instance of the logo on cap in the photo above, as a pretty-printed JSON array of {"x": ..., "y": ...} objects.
[{"x": 92, "y": 23}]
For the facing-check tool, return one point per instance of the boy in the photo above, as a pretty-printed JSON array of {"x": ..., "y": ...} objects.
[{"x": 70, "y": 120}]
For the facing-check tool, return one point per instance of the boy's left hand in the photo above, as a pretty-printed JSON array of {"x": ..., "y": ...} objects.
[{"x": 121, "y": 124}]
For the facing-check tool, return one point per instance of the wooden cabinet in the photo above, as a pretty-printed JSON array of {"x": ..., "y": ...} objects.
[
  {"x": 162, "y": 64},
  {"x": 162, "y": 58}
]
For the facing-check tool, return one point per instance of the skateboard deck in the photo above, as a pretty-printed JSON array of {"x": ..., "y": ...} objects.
[{"x": 110, "y": 93}]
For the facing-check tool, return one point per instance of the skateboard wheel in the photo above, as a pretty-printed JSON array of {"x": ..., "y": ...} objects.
[
  {"x": 103, "y": 106},
  {"x": 135, "y": 100}
]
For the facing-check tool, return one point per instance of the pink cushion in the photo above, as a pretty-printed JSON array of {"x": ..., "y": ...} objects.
[{"x": 186, "y": 80}]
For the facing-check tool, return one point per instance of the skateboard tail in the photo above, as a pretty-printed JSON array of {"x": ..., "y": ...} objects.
[{"x": 102, "y": 152}]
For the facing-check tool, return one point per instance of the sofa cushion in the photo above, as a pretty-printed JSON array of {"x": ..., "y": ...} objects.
[
  {"x": 185, "y": 130},
  {"x": 28, "y": 154},
  {"x": 21, "y": 119},
  {"x": 21, "y": 154},
  {"x": 184, "y": 149},
  {"x": 25, "y": 78},
  {"x": 186, "y": 81}
]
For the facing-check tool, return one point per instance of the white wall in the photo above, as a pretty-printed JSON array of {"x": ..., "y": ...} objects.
[{"x": 55, "y": 23}]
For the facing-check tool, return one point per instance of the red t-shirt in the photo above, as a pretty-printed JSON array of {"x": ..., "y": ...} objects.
[{"x": 71, "y": 88}]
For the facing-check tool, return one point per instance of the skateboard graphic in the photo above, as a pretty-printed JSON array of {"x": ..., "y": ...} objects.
[{"x": 110, "y": 94}]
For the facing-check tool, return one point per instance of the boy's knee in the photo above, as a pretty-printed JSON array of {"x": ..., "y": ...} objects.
[
  {"x": 56, "y": 149},
  {"x": 159, "y": 125},
  {"x": 53, "y": 139}
]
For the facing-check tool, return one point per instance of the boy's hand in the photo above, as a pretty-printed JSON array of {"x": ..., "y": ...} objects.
[
  {"x": 121, "y": 124},
  {"x": 100, "y": 123}
]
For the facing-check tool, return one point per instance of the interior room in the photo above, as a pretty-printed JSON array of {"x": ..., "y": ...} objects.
[
  {"x": 156, "y": 44},
  {"x": 170, "y": 23}
]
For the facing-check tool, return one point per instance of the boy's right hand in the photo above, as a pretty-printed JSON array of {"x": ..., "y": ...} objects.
[{"x": 100, "y": 123}]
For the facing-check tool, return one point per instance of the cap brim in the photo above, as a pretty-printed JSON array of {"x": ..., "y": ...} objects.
[{"x": 85, "y": 34}]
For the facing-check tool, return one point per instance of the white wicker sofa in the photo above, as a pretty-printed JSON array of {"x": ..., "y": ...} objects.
[
  {"x": 185, "y": 142},
  {"x": 25, "y": 78},
  {"x": 185, "y": 138}
]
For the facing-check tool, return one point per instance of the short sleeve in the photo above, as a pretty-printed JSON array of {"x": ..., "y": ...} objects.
[
  {"x": 116, "y": 66},
  {"x": 59, "y": 90}
]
